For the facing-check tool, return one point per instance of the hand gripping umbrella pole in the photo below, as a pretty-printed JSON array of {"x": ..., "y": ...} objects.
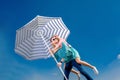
[{"x": 54, "y": 58}]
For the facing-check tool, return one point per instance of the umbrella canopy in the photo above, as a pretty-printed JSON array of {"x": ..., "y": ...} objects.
[{"x": 33, "y": 39}]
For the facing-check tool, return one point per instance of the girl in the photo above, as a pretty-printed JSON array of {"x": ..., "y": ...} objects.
[{"x": 67, "y": 54}]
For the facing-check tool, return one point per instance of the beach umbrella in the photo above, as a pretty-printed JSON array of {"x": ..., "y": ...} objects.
[{"x": 33, "y": 39}]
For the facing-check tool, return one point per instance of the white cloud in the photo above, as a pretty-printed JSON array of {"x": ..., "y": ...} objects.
[
  {"x": 111, "y": 72},
  {"x": 118, "y": 56},
  {"x": 55, "y": 74}
]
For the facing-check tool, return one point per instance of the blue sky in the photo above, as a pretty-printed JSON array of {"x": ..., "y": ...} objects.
[{"x": 94, "y": 26}]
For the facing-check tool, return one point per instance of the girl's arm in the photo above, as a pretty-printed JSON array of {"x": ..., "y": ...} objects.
[{"x": 53, "y": 50}]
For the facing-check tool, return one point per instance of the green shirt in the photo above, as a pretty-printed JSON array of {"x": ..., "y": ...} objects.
[{"x": 67, "y": 53}]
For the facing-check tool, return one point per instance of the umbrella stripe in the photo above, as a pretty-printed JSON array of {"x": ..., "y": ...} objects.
[
  {"x": 31, "y": 57},
  {"x": 43, "y": 21},
  {"x": 34, "y": 40},
  {"x": 28, "y": 48},
  {"x": 27, "y": 53},
  {"x": 43, "y": 54},
  {"x": 66, "y": 30},
  {"x": 22, "y": 51},
  {"x": 64, "y": 26},
  {"x": 17, "y": 39},
  {"x": 23, "y": 47},
  {"x": 49, "y": 31},
  {"x": 37, "y": 57},
  {"x": 56, "y": 26},
  {"x": 35, "y": 43},
  {"x": 61, "y": 34},
  {"x": 53, "y": 32},
  {"x": 23, "y": 34}
]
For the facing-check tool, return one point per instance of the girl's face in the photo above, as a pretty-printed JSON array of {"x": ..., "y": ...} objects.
[{"x": 54, "y": 40}]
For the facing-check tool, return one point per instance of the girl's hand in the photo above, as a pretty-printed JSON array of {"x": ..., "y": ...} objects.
[
  {"x": 52, "y": 51},
  {"x": 59, "y": 64}
]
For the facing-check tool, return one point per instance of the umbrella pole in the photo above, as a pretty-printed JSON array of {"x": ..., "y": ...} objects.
[
  {"x": 54, "y": 58},
  {"x": 59, "y": 67}
]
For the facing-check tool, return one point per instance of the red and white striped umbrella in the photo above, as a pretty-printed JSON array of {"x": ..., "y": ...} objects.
[{"x": 33, "y": 39}]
